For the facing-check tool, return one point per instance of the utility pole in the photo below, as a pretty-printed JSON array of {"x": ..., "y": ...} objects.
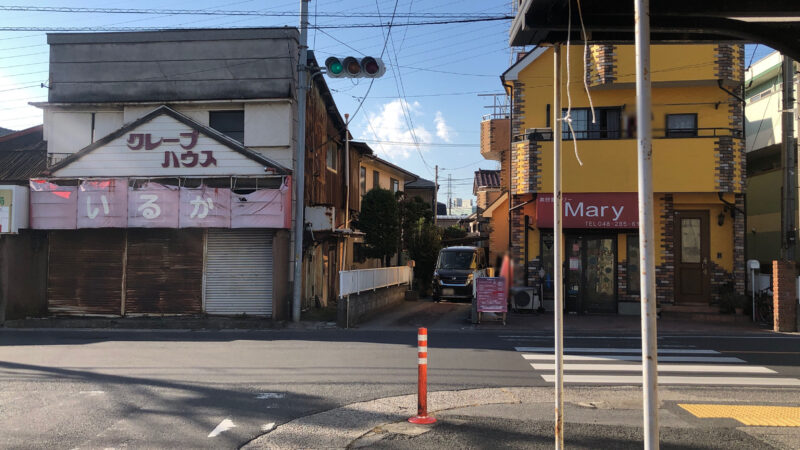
[
  {"x": 647, "y": 242},
  {"x": 300, "y": 163},
  {"x": 558, "y": 275},
  {"x": 449, "y": 194},
  {"x": 436, "y": 196},
  {"x": 788, "y": 157}
]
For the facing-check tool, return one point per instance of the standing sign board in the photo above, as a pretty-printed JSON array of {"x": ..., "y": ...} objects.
[{"x": 491, "y": 296}]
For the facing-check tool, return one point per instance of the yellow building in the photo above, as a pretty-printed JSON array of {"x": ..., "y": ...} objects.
[{"x": 698, "y": 175}]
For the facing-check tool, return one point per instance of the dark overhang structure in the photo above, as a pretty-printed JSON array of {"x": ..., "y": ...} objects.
[{"x": 775, "y": 23}]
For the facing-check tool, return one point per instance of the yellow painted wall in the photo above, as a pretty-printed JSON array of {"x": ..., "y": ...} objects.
[
  {"x": 679, "y": 165},
  {"x": 669, "y": 63},
  {"x": 385, "y": 175},
  {"x": 498, "y": 238},
  {"x": 698, "y": 97}
]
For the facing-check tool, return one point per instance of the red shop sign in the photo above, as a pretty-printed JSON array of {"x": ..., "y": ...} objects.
[{"x": 591, "y": 210}]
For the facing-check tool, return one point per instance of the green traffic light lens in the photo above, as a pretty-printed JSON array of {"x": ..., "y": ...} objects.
[{"x": 336, "y": 68}]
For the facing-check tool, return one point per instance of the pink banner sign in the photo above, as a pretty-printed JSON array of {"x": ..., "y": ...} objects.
[
  {"x": 490, "y": 294},
  {"x": 110, "y": 203},
  {"x": 153, "y": 206},
  {"x": 53, "y": 207},
  {"x": 103, "y": 203},
  {"x": 205, "y": 207},
  {"x": 265, "y": 208},
  {"x": 591, "y": 210}
]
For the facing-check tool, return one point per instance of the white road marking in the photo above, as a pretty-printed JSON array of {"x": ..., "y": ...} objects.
[
  {"x": 270, "y": 395},
  {"x": 661, "y": 368},
  {"x": 710, "y": 359},
  {"x": 614, "y": 350},
  {"x": 223, "y": 426},
  {"x": 92, "y": 393},
  {"x": 637, "y": 379},
  {"x": 267, "y": 427}
]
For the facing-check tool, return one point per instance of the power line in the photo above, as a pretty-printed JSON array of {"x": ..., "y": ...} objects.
[
  {"x": 221, "y": 12},
  {"x": 429, "y": 144},
  {"x": 385, "y": 41},
  {"x": 319, "y": 27}
]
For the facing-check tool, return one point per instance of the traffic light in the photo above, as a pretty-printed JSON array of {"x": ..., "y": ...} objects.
[{"x": 352, "y": 67}]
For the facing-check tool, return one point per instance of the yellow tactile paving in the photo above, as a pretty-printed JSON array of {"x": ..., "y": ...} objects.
[{"x": 753, "y": 415}]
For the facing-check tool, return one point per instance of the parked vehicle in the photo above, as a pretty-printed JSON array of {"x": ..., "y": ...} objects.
[{"x": 455, "y": 272}]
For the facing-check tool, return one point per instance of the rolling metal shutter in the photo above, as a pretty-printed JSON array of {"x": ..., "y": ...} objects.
[
  {"x": 239, "y": 272},
  {"x": 164, "y": 271},
  {"x": 85, "y": 272}
]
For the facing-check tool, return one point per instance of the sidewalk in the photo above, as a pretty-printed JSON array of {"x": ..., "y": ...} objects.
[
  {"x": 455, "y": 316},
  {"x": 409, "y": 315},
  {"x": 523, "y": 418}
]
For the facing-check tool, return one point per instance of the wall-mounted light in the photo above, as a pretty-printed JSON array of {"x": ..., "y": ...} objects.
[{"x": 721, "y": 219}]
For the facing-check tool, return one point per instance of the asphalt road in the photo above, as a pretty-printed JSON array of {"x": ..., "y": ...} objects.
[{"x": 221, "y": 389}]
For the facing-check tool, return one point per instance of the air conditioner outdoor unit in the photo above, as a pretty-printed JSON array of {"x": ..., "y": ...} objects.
[{"x": 524, "y": 298}]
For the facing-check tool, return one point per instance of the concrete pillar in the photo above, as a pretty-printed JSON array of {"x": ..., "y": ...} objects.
[{"x": 784, "y": 288}]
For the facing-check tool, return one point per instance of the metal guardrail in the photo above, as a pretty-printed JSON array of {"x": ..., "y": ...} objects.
[{"x": 357, "y": 281}]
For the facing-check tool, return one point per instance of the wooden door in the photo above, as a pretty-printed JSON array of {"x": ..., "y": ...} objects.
[{"x": 692, "y": 269}]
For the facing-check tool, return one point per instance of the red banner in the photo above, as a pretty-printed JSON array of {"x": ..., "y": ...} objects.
[{"x": 591, "y": 210}]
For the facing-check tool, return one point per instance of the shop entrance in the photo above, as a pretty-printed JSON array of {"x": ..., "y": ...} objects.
[
  {"x": 692, "y": 282},
  {"x": 590, "y": 273}
]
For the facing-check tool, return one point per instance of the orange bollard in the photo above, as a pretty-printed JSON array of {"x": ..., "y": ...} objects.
[{"x": 422, "y": 391}]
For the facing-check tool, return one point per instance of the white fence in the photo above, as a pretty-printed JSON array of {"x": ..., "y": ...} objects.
[{"x": 357, "y": 281}]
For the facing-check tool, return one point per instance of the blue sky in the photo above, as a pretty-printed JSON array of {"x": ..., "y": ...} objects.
[{"x": 431, "y": 92}]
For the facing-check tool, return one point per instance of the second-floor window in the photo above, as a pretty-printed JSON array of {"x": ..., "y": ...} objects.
[
  {"x": 332, "y": 158},
  {"x": 395, "y": 185},
  {"x": 362, "y": 178},
  {"x": 229, "y": 123},
  {"x": 606, "y": 125},
  {"x": 376, "y": 179},
  {"x": 681, "y": 125}
]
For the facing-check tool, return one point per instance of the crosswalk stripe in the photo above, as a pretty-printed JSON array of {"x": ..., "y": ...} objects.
[
  {"x": 616, "y": 350},
  {"x": 637, "y": 379},
  {"x": 697, "y": 368},
  {"x": 708, "y": 359}
]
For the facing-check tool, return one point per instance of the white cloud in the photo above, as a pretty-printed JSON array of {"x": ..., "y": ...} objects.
[
  {"x": 390, "y": 126},
  {"x": 443, "y": 131}
]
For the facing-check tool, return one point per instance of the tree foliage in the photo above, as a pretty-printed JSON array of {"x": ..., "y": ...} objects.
[
  {"x": 380, "y": 221},
  {"x": 423, "y": 245},
  {"x": 412, "y": 210},
  {"x": 453, "y": 232}
]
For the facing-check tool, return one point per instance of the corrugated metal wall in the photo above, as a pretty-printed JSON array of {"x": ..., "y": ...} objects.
[
  {"x": 85, "y": 271},
  {"x": 239, "y": 272},
  {"x": 164, "y": 273}
]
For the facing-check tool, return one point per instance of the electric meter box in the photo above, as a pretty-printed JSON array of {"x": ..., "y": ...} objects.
[{"x": 13, "y": 208}]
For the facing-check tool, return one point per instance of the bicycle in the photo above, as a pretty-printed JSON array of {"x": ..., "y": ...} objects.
[{"x": 763, "y": 308}]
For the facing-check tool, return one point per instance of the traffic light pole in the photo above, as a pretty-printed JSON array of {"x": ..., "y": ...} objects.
[{"x": 300, "y": 163}]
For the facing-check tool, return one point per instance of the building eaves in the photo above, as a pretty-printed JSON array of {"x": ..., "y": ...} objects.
[{"x": 495, "y": 204}]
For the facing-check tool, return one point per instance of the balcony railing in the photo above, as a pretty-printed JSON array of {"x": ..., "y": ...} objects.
[{"x": 546, "y": 134}]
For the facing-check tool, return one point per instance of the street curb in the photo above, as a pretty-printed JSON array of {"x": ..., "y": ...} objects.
[{"x": 339, "y": 427}]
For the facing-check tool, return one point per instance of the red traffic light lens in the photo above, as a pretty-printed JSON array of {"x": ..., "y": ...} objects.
[{"x": 371, "y": 67}]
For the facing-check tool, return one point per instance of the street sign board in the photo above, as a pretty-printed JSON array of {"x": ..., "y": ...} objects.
[{"x": 491, "y": 294}]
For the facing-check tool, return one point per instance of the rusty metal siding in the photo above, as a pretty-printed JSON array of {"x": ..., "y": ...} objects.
[
  {"x": 85, "y": 272},
  {"x": 164, "y": 273}
]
